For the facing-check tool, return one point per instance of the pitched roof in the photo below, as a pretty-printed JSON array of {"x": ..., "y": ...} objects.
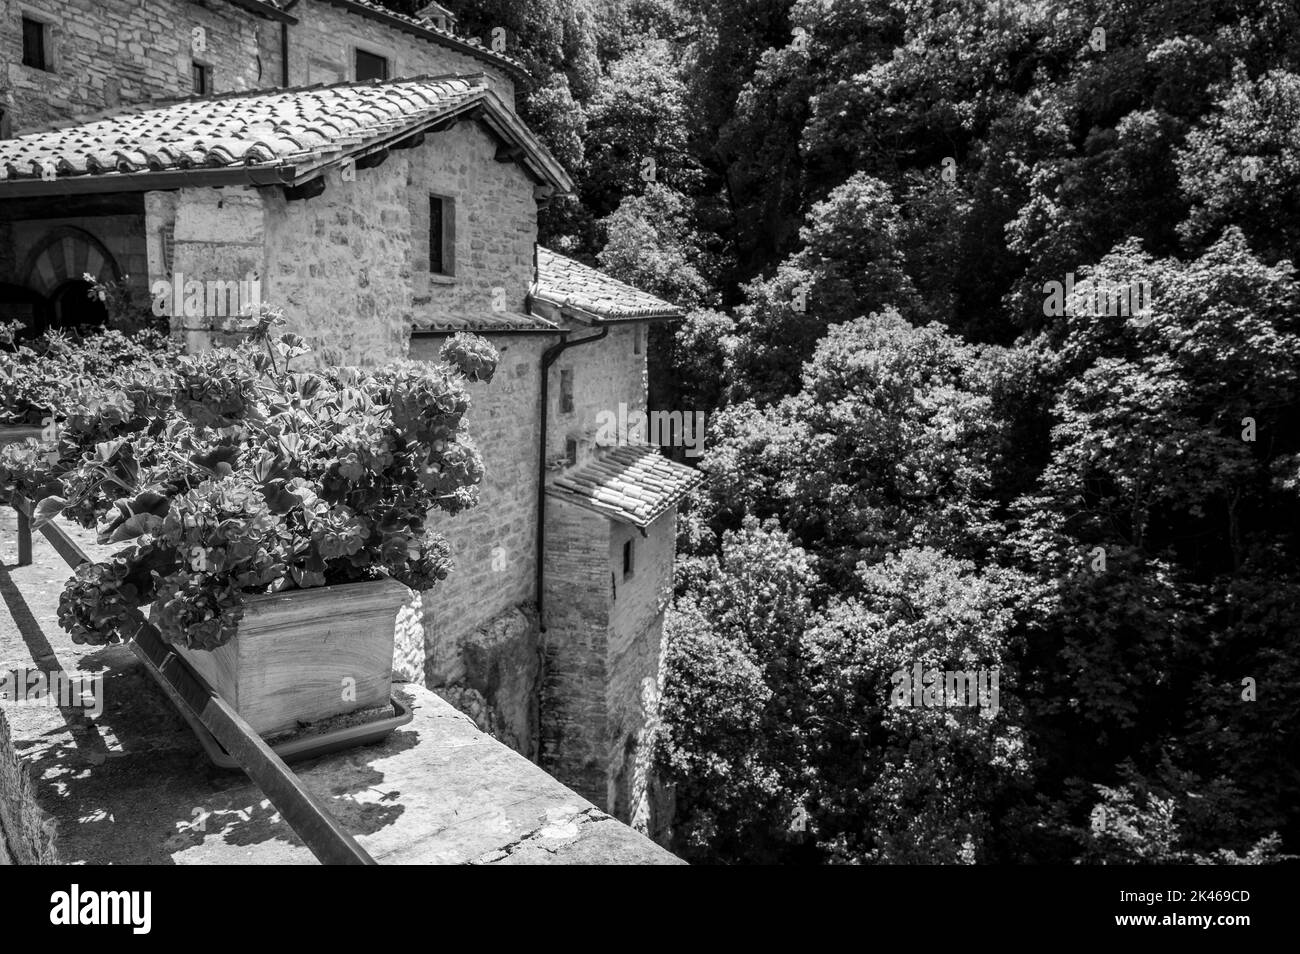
[
  {"x": 632, "y": 484},
  {"x": 594, "y": 295},
  {"x": 484, "y": 323},
  {"x": 259, "y": 137},
  {"x": 429, "y": 30}
]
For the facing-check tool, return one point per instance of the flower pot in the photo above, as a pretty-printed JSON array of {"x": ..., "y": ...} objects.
[{"x": 301, "y": 656}]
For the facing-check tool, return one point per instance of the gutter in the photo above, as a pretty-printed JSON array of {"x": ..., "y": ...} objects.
[
  {"x": 549, "y": 357},
  {"x": 264, "y": 175}
]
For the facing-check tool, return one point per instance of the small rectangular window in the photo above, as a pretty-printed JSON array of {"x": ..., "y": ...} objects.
[
  {"x": 442, "y": 235},
  {"x": 371, "y": 66},
  {"x": 636, "y": 339},
  {"x": 566, "y": 392},
  {"x": 35, "y": 40},
  {"x": 627, "y": 559},
  {"x": 202, "y": 79},
  {"x": 571, "y": 451}
]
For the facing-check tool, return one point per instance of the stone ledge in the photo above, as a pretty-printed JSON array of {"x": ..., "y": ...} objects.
[{"x": 133, "y": 787}]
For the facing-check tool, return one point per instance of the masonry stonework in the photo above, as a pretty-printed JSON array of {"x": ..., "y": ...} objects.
[
  {"x": 605, "y": 374},
  {"x": 633, "y": 657},
  {"x": 577, "y": 602},
  {"x": 495, "y": 226},
  {"x": 337, "y": 265},
  {"x": 470, "y": 623},
  {"x": 107, "y": 53},
  {"x": 122, "y": 237},
  {"x": 326, "y": 38}
]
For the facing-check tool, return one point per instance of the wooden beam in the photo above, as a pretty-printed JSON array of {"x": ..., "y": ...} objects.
[
  {"x": 308, "y": 190},
  {"x": 370, "y": 160},
  {"x": 410, "y": 142},
  {"x": 81, "y": 206}
]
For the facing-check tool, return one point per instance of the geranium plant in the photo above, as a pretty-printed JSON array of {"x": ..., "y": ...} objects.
[{"x": 252, "y": 477}]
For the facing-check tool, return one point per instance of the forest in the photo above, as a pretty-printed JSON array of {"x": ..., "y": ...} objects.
[{"x": 915, "y": 456}]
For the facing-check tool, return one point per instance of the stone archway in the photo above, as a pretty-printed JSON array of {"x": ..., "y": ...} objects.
[
  {"x": 55, "y": 269},
  {"x": 66, "y": 254}
]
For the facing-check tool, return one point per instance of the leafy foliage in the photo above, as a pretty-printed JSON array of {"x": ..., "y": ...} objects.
[{"x": 235, "y": 474}]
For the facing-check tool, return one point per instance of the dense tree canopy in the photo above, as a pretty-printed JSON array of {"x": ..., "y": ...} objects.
[{"x": 994, "y": 311}]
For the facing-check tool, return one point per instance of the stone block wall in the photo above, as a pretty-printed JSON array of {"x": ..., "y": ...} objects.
[
  {"x": 337, "y": 265},
  {"x": 27, "y": 834},
  {"x": 605, "y": 373},
  {"x": 123, "y": 237},
  {"x": 217, "y": 235},
  {"x": 633, "y": 657},
  {"x": 578, "y": 594},
  {"x": 494, "y": 546},
  {"x": 107, "y": 53},
  {"x": 350, "y": 266},
  {"x": 323, "y": 44},
  {"x": 495, "y": 224}
]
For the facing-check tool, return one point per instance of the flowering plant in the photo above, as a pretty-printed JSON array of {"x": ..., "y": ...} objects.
[{"x": 251, "y": 477}]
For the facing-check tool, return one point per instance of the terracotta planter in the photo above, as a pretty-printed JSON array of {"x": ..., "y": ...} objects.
[{"x": 305, "y": 655}]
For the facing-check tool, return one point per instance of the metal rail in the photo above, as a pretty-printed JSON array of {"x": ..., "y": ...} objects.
[{"x": 200, "y": 704}]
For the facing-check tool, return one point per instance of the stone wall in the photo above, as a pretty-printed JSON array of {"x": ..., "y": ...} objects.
[
  {"x": 123, "y": 237},
  {"x": 495, "y": 224},
  {"x": 337, "y": 265},
  {"x": 27, "y": 834},
  {"x": 350, "y": 266},
  {"x": 107, "y": 53},
  {"x": 218, "y": 235},
  {"x": 578, "y": 592},
  {"x": 323, "y": 44},
  {"x": 633, "y": 656},
  {"x": 494, "y": 546},
  {"x": 605, "y": 373}
]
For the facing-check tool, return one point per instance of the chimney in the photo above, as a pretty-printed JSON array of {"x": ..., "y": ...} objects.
[{"x": 442, "y": 18}]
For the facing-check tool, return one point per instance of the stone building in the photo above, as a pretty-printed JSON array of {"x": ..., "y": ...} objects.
[{"x": 368, "y": 171}]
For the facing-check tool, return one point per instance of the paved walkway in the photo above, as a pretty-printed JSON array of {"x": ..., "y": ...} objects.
[{"x": 134, "y": 787}]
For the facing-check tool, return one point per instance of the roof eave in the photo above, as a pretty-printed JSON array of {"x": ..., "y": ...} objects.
[
  {"x": 618, "y": 516},
  {"x": 90, "y": 184},
  {"x": 546, "y": 165},
  {"x": 540, "y": 164},
  {"x": 588, "y": 317}
]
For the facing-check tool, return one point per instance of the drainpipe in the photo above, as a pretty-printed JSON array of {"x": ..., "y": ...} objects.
[
  {"x": 284, "y": 54},
  {"x": 549, "y": 357}
]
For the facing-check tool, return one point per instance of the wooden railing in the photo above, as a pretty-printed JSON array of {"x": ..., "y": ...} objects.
[{"x": 201, "y": 705}]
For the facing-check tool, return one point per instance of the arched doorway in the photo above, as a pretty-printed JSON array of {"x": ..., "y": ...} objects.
[
  {"x": 56, "y": 269},
  {"x": 71, "y": 306}
]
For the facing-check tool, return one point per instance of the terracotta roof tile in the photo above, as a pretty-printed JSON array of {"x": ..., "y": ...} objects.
[
  {"x": 565, "y": 283},
  {"x": 485, "y": 323},
  {"x": 303, "y": 126},
  {"x": 631, "y": 484},
  {"x": 249, "y": 128}
]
